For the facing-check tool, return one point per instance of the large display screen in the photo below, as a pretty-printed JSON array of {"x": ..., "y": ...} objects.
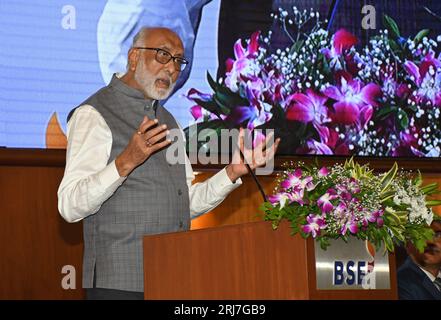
[{"x": 330, "y": 77}]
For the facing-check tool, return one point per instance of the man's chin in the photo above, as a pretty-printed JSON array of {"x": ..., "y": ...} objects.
[{"x": 162, "y": 94}]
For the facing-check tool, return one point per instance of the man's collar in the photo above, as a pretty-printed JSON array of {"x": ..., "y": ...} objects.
[
  {"x": 129, "y": 91},
  {"x": 428, "y": 274}
]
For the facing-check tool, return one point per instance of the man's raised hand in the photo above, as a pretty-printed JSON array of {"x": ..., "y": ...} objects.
[{"x": 145, "y": 141}]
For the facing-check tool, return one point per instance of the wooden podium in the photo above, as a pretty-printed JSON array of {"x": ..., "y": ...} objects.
[{"x": 245, "y": 261}]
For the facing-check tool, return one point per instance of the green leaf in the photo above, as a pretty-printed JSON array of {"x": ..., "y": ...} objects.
[
  {"x": 423, "y": 33},
  {"x": 385, "y": 111},
  {"x": 403, "y": 119},
  {"x": 419, "y": 179},
  {"x": 325, "y": 66},
  {"x": 223, "y": 103},
  {"x": 391, "y": 26},
  {"x": 429, "y": 187},
  {"x": 412, "y": 108},
  {"x": 387, "y": 179},
  {"x": 388, "y": 243},
  {"x": 394, "y": 46},
  {"x": 387, "y": 195},
  {"x": 213, "y": 84},
  {"x": 324, "y": 243},
  {"x": 209, "y": 106},
  {"x": 296, "y": 47},
  {"x": 420, "y": 244},
  {"x": 228, "y": 100},
  {"x": 432, "y": 203},
  {"x": 398, "y": 231},
  {"x": 432, "y": 192}
]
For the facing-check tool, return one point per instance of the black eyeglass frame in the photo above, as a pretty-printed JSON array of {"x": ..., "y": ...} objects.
[{"x": 182, "y": 62}]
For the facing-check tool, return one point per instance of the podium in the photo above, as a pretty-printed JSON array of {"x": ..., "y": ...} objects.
[{"x": 249, "y": 261}]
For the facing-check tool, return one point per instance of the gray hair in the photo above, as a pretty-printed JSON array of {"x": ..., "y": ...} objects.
[{"x": 138, "y": 41}]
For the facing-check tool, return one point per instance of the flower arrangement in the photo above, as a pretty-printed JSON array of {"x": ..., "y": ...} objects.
[
  {"x": 324, "y": 95},
  {"x": 351, "y": 200}
]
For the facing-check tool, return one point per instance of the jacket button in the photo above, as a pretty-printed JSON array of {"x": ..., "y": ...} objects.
[{"x": 180, "y": 192}]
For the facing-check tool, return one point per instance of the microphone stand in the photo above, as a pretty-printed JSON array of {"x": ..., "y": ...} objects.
[
  {"x": 332, "y": 12},
  {"x": 433, "y": 14},
  {"x": 254, "y": 178},
  {"x": 253, "y": 175}
]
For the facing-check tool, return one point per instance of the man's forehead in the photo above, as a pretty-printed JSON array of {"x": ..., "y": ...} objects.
[{"x": 164, "y": 39}]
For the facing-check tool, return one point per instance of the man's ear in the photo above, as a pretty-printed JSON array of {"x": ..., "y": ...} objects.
[{"x": 133, "y": 57}]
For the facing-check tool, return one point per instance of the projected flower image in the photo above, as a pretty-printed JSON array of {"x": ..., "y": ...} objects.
[{"x": 325, "y": 94}]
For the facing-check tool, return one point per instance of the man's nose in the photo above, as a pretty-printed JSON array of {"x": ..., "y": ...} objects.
[{"x": 170, "y": 68}]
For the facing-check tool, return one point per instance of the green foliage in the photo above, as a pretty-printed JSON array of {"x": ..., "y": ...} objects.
[
  {"x": 391, "y": 26},
  {"x": 420, "y": 35}
]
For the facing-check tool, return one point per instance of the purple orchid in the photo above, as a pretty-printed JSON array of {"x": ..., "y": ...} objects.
[
  {"x": 351, "y": 225},
  {"x": 198, "y": 97},
  {"x": 337, "y": 144},
  {"x": 344, "y": 193},
  {"x": 324, "y": 202},
  {"x": 245, "y": 64},
  {"x": 408, "y": 145},
  {"x": 273, "y": 84},
  {"x": 249, "y": 114},
  {"x": 355, "y": 102},
  {"x": 350, "y": 186},
  {"x": 258, "y": 112},
  {"x": 323, "y": 172},
  {"x": 342, "y": 41},
  {"x": 314, "y": 147},
  {"x": 309, "y": 108},
  {"x": 292, "y": 180},
  {"x": 193, "y": 94},
  {"x": 307, "y": 183},
  {"x": 374, "y": 217},
  {"x": 314, "y": 225},
  {"x": 280, "y": 198},
  {"x": 196, "y": 112},
  {"x": 427, "y": 77},
  {"x": 297, "y": 186},
  {"x": 346, "y": 218},
  {"x": 297, "y": 196}
]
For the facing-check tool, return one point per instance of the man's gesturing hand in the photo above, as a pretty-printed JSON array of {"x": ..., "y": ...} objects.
[
  {"x": 262, "y": 153},
  {"x": 144, "y": 142}
]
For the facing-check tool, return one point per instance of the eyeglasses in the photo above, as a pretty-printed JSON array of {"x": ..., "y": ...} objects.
[{"x": 164, "y": 57}]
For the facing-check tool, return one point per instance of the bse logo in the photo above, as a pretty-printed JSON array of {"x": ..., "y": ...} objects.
[{"x": 356, "y": 273}]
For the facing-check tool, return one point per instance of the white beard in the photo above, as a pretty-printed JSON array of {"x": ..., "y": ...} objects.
[{"x": 147, "y": 82}]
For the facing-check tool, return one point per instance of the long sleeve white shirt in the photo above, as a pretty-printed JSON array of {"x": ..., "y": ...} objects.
[{"x": 89, "y": 179}]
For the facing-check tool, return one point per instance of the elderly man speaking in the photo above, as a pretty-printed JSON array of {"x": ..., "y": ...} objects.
[{"x": 117, "y": 177}]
